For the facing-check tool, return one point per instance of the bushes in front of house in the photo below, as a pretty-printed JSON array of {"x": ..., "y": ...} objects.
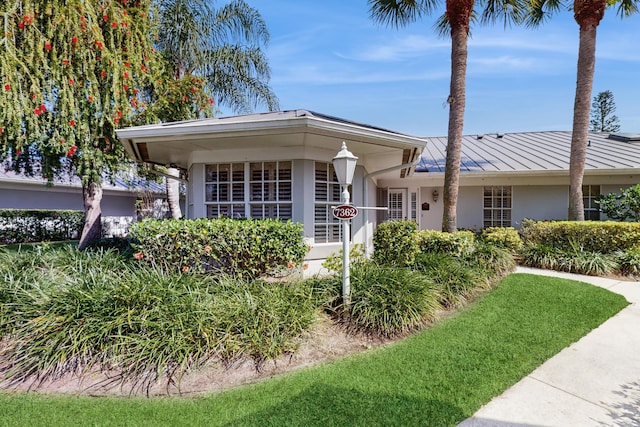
[
  {"x": 246, "y": 248},
  {"x": 502, "y": 237},
  {"x": 24, "y": 226},
  {"x": 593, "y": 236},
  {"x": 586, "y": 247},
  {"x": 66, "y": 311},
  {"x": 413, "y": 275},
  {"x": 396, "y": 242},
  {"x": 388, "y": 301}
]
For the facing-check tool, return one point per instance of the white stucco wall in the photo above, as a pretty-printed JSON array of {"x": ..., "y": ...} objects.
[
  {"x": 430, "y": 219},
  {"x": 113, "y": 204},
  {"x": 549, "y": 202}
]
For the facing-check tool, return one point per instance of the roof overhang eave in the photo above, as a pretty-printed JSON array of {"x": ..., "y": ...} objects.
[{"x": 192, "y": 130}]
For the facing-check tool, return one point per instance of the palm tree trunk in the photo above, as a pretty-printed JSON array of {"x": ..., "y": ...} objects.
[
  {"x": 459, "y": 36},
  {"x": 92, "y": 196},
  {"x": 173, "y": 193},
  {"x": 588, "y": 15}
]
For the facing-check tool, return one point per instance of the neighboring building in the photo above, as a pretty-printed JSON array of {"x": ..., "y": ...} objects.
[
  {"x": 278, "y": 165},
  {"x": 119, "y": 201},
  {"x": 505, "y": 178}
]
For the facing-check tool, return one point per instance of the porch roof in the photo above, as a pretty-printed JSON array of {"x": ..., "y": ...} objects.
[{"x": 173, "y": 143}]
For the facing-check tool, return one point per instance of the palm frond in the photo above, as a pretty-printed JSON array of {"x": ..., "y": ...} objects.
[
  {"x": 398, "y": 13},
  {"x": 627, "y": 8}
]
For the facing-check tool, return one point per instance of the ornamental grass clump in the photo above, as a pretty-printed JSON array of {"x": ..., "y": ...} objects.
[
  {"x": 456, "y": 281},
  {"x": 390, "y": 301},
  {"x": 66, "y": 312},
  {"x": 629, "y": 262},
  {"x": 493, "y": 261}
]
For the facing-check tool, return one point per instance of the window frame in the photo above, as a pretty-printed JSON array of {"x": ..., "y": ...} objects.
[
  {"x": 240, "y": 198},
  {"x": 499, "y": 215}
]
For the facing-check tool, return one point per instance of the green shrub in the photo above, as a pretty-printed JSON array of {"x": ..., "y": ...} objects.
[
  {"x": 456, "y": 281},
  {"x": 503, "y": 237},
  {"x": 390, "y": 301},
  {"x": 577, "y": 260},
  {"x": 573, "y": 260},
  {"x": 629, "y": 262},
  {"x": 326, "y": 290},
  {"x": 539, "y": 255},
  {"x": 22, "y": 226},
  {"x": 122, "y": 245},
  {"x": 457, "y": 243},
  {"x": 621, "y": 206},
  {"x": 247, "y": 248},
  {"x": 333, "y": 263},
  {"x": 493, "y": 261},
  {"x": 592, "y": 236},
  {"x": 395, "y": 242}
]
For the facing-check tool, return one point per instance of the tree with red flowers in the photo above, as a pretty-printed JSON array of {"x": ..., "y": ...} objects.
[{"x": 71, "y": 72}]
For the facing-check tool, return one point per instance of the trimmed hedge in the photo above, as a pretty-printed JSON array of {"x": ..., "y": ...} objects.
[
  {"x": 247, "y": 248},
  {"x": 24, "y": 226},
  {"x": 503, "y": 237},
  {"x": 591, "y": 236},
  {"x": 396, "y": 242},
  {"x": 458, "y": 243}
]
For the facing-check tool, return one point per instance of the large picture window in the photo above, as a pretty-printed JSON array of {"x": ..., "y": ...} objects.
[
  {"x": 590, "y": 194},
  {"x": 249, "y": 190},
  {"x": 497, "y": 206},
  {"x": 327, "y": 193}
]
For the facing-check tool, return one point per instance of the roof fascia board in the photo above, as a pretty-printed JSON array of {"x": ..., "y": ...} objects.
[{"x": 195, "y": 130}]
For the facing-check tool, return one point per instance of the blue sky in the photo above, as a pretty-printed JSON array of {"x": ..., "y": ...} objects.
[{"x": 330, "y": 57}]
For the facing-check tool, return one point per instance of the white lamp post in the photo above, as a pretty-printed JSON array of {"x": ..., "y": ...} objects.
[{"x": 344, "y": 163}]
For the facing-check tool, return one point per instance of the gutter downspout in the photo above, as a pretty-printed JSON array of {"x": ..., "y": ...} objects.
[{"x": 367, "y": 251}]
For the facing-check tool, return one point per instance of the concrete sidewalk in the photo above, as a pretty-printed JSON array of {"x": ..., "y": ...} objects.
[{"x": 593, "y": 382}]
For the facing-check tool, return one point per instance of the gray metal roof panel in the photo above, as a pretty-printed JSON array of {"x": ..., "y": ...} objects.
[{"x": 529, "y": 152}]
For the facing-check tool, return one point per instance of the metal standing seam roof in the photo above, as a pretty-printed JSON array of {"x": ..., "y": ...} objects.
[
  {"x": 532, "y": 152},
  {"x": 120, "y": 183}
]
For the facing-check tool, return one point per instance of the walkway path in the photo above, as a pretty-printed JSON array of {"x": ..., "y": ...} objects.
[{"x": 593, "y": 382}]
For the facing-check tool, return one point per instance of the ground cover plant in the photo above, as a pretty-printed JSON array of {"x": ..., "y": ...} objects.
[
  {"x": 65, "y": 311},
  {"x": 438, "y": 377}
]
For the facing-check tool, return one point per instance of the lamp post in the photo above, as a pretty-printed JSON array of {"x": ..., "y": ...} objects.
[{"x": 344, "y": 163}]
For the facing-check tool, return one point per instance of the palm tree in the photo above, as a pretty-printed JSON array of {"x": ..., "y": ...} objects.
[
  {"x": 224, "y": 47},
  {"x": 457, "y": 19},
  {"x": 588, "y": 14}
]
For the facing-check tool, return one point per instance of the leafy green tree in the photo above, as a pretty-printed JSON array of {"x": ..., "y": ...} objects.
[
  {"x": 71, "y": 72},
  {"x": 223, "y": 48},
  {"x": 588, "y": 14},
  {"x": 602, "y": 109},
  {"x": 622, "y": 206},
  {"x": 455, "y": 23}
]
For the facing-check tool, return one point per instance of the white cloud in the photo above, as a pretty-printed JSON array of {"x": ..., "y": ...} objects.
[{"x": 400, "y": 48}]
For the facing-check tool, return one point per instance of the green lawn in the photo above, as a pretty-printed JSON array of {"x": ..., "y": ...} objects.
[{"x": 436, "y": 378}]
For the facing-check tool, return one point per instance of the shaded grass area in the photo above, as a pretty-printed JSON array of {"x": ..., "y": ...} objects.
[{"x": 436, "y": 378}]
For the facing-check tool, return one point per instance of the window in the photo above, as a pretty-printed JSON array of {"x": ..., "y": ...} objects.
[
  {"x": 224, "y": 190},
  {"x": 590, "y": 194},
  {"x": 249, "y": 190},
  {"x": 327, "y": 228},
  {"x": 396, "y": 205},
  {"x": 497, "y": 206},
  {"x": 414, "y": 206}
]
